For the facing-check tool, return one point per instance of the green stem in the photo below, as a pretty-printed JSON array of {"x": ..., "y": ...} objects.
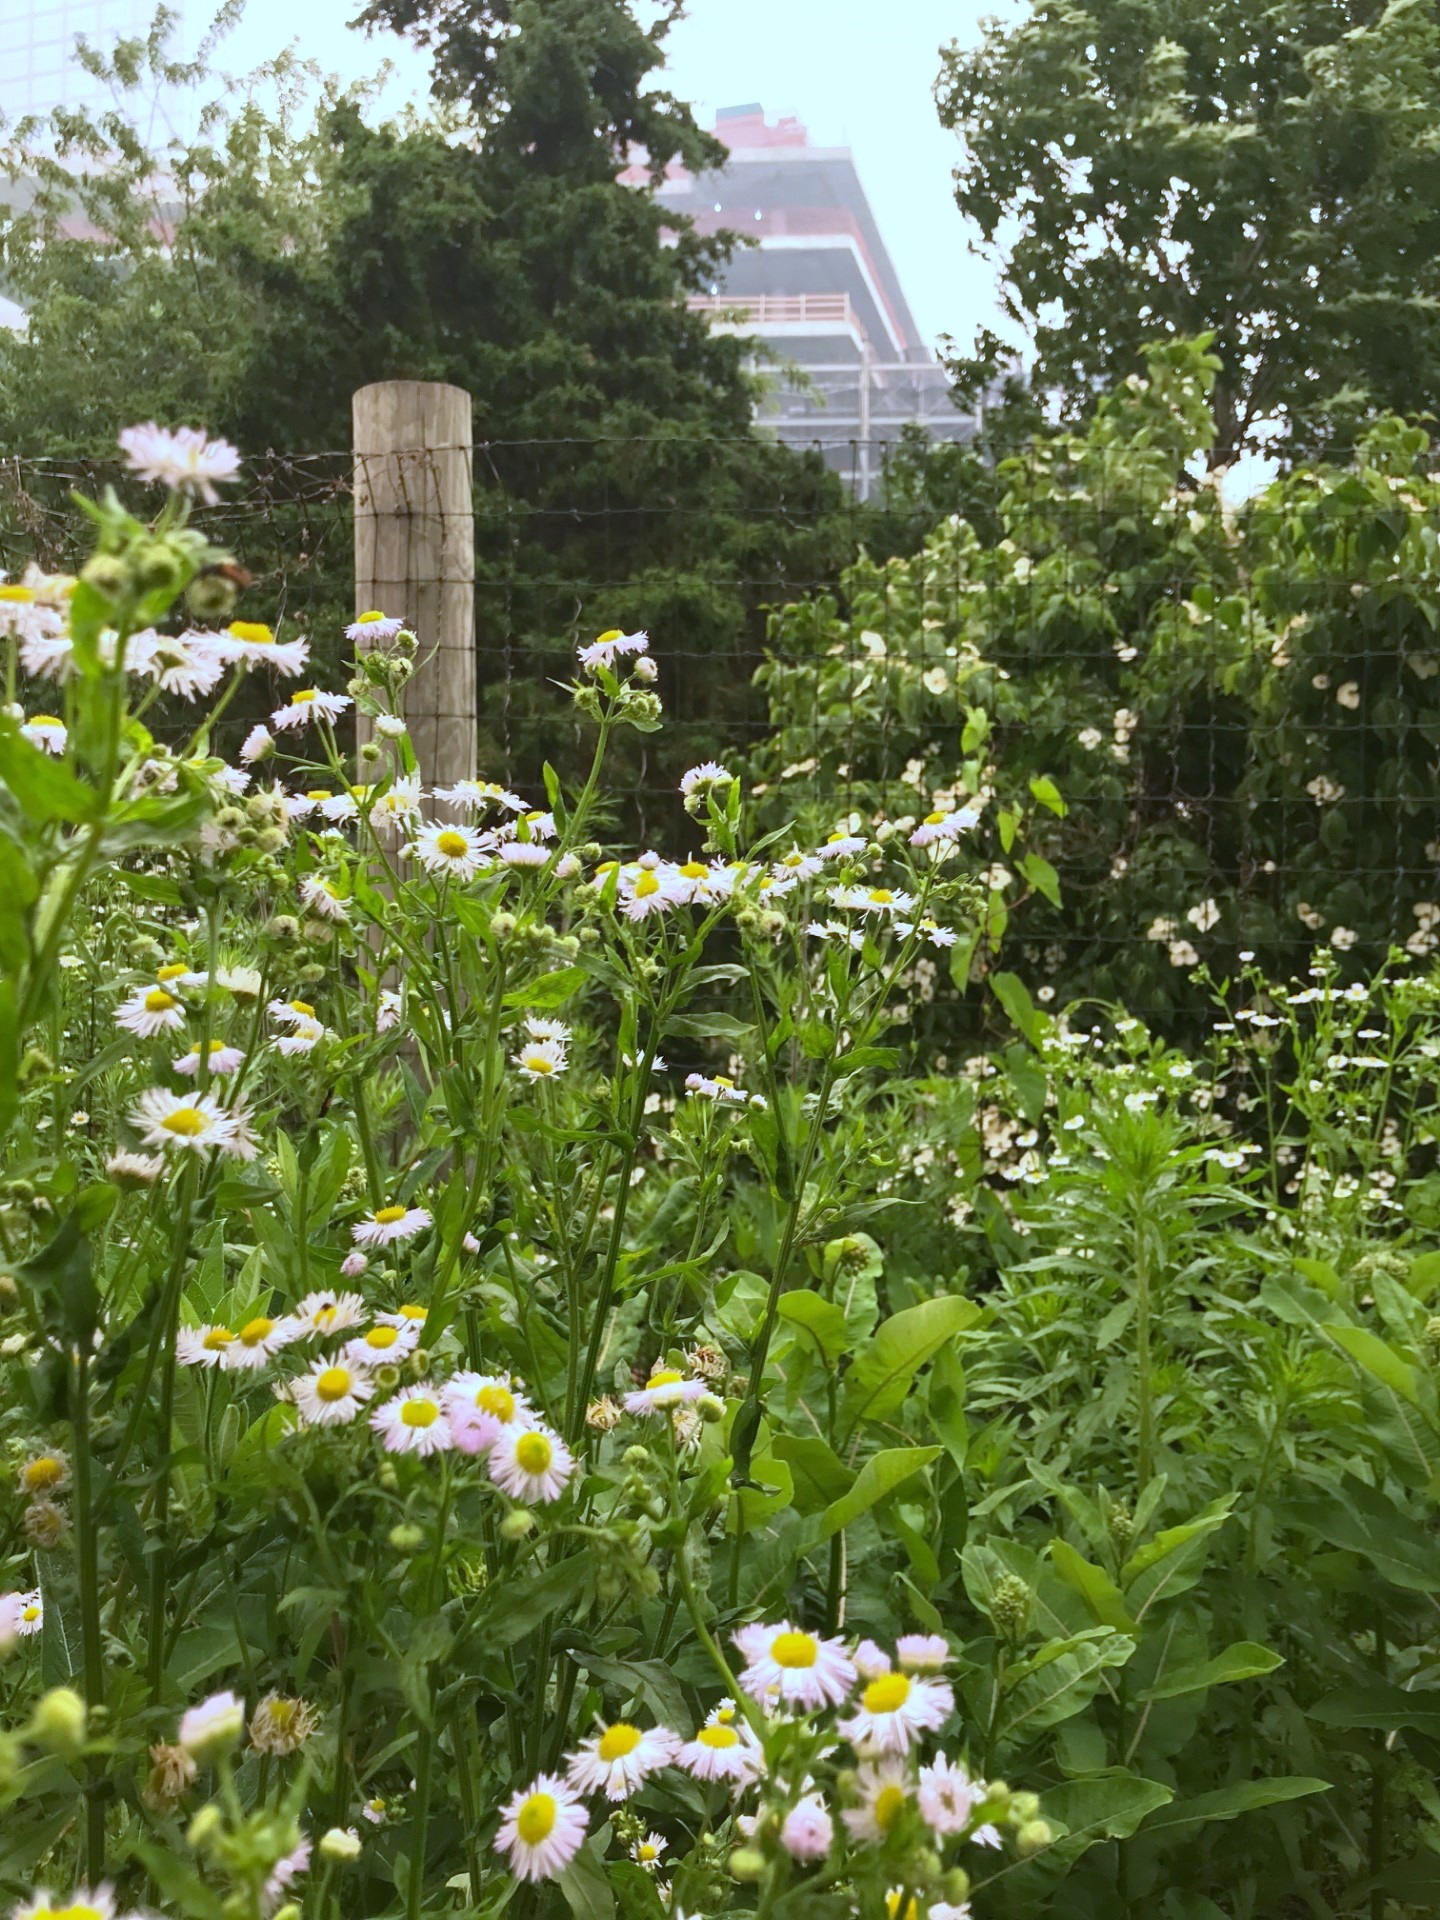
[{"x": 92, "y": 1651}]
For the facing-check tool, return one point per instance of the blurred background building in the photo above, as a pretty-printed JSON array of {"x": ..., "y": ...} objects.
[
  {"x": 846, "y": 368},
  {"x": 38, "y": 68}
]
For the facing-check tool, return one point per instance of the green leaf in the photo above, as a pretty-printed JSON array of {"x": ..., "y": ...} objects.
[
  {"x": 879, "y": 1476},
  {"x": 818, "y": 1318},
  {"x": 1014, "y": 997},
  {"x": 1102, "y": 1806},
  {"x": 1228, "y": 1803},
  {"x": 1064, "y": 1686},
  {"x": 548, "y": 990},
  {"x": 880, "y": 1378},
  {"x": 526, "y": 1603},
  {"x": 586, "y": 1885},
  {"x": 820, "y": 1477},
  {"x": 1377, "y": 1357},
  {"x": 1246, "y": 1660},
  {"x": 1095, "y": 1587},
  {"x": 40, "y": 784},
  {"x": 1042, "y": 876},
  {"x": 1380, "y": 1705},
  {"x": 1049, "y": 795}
]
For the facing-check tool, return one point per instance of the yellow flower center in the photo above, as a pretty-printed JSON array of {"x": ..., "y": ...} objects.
[
  {"x": 667, "y": 1377},
  {"x": 302, "y": 1006},
  {"x": 721, "y": 1081},
  {"x": 254, "y": 1331},
  {"x": 253, "y": 631},
  {"x": 880, "y": 896},
  {"x": 794, "y": 1650},
  {"x": 32, "y": 1612},
  {"x": 381, "y": 1337},
  {"x": 387, "y": 1216},
  {"x": 497, "y": 1400},
  {"x": 332, "y": 1385},
  {"x": 216, "y": 1046},
  {"x": 171, "y": 972},
  {"x": 694, "y": 870},
  {"x": 724, "y": 1716},
  {"x": 158, "y": 1001},
  {"x": 217, "y": 1339},
  {"x": 718, "y": 1737},
  {"x": 617, "y": 1741},
  {"x": 647, "y": 1851},
  {"x": 539, "y": 1062},
  {"x": 419, "y": 1413},
  {"x": 933, "y": 819},
  {"x": 318, "y": 793},
  {"x": 887, "y": 1694},
  {"x": 892, "y": 1907},
  {"x": 533, "y": 1453},
  {"x": 646, "y": 885},
  {"x": 25, "y": 596},
  {"x": 535, "y": 1821},
  {"x": 186, "y": 1121},
  {"x": 45, "y": 720},
  {"x": 453, "y": 845},
  {"x": 889, "y": 1805},
  {"x": 303, "y": 698},
  {"x": 610, "y": 633},
  {"x": 366, "y": 618},
  {"x": 42, "y": 1474},
  {"x": 414, "y": 1313}
]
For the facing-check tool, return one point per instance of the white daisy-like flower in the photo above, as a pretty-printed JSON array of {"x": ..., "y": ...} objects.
[
  {"x": 459, "y": 851},
  {"x": 871, "y": 1660},
  {"x": 331, "y": 1394},
  {"x": 922, "y": 1653},
  {"x": 666, "y": 1388},
  {"x": 710, "y": 773},
  {"x": 303, "y": 1037},
  {"x": 654, "y": 889},
  {"x": 619, "y": 1759},
  {"x": 478, "y": 794},
  {"x": 46, "y": 650},
  {"x": 408, "y": 1314},
  {"x": 836, "y": 931},
  {"x": 399, "y": 805},
  {"x": 788, "y": 1667},
  {"x": 694, "y": 881},
  {"x": 319, "y": 895},
  {"x": 895, "y": 1709},
  {"x": 723, "y": 1750},
  {"x": 543, "y": 1829},
  {"x": 530, "y": 1464},
  {"x": 881, "y": 900},
  {"x": 524, "y": 853},
  {"x": 928, "y": 930},
  {"x": 291, "y": 1013},
  {"x": 181, "y": 458},
  {"x": 541, "y": 1059},
  {"x": 223, "y": 1059},
  {"x": 611, "y": 646},
  {"x": 388, "y": 1008},
  {"x": 384, "y": 1344},
  {"x": 85, "y": 1903},
  {"x": 797, "y": 865},
  {"x": 150, "y": 1010},
  {"x": 388, "y": 1224},
  {"x": 45, "y": 731},
  {"x": 481, "y": 1406},
  {"x": 539, "y": 1028},
  {"x": 885, "y": 1789},
  {"x": 324, "y": 1312},
  {"x": 276, "y": 1891},
  {"x": 258, "y": 744},
  {"x": 338, "y": 808},
  {"x": 307, "y": 704},
  {"x": 947, "y": 1796},
  {"x": 808, "y": 1832},
  {"x": 374, "y": 627},
  {"x": 413, "y": 1422},
  {"x": 23, "y": 1613},
  {"x": 258, "y": 1342},
  {"x": 194, "y": 1123},
  {"x": 203, "y": 1346},
  {"x": 719, "y": 1089},
  {"x": 842, "y": 845},
  {"x": 254, "y": 644},
  {"x": 185, "y": 664},
  {"x": 135, "y": 1169},
  {"x": 646, "y": 1852},
  {"x": 941, "y": 827},
  {"x": 243, "y": 982}
]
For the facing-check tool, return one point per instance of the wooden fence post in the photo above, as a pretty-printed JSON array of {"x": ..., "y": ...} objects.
[{"x": 415, "y": 554}]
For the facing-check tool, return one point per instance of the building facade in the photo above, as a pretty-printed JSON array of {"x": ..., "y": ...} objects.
[
  {"x": 38, "y": 68},
  {"x": 844, "y": 363}
]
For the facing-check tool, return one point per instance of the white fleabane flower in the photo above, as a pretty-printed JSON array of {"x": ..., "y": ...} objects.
[
  {"x": 785, "y": 1666},
  {"x": 941, "y": 827},
  {"x": 666, "y": 1388},
  {"x": 181, "y": 458},
  {"x": 710, "y": 773},
  {"x": 524, "y": 853},
  {"x": 389, "y": 1224},
  {"x": 303, "y": 1037},
  {"x": 180, "y": 1123},
  {"x": 399, "y": 806},
  {"x": 323, "y": 1312},
  {"x": 798, "y": 865},
  {"x": 331, "y": 1394},
  {"x": 612, "y": 645},
  {"x": 385, "y": 1344},
  {"x": 186, "y": 664},
  {"x": 530, "y": 1464},
  {"x": 320, "y": 897},
  {"x": 619, "y": 1759},
  {"x": 947, "y": 1796},
  {"x": 413, "y": 1422},
  {"x": 202, "y": 1346},
  {"x": 842, "y": 845},
  {"x": 212, "y": 1727},
  {"x": 477, "y": 794},
  {"x": 543, "y": 1829},
  {"x": 374, "y": 627},
  {"x": 223, "y": 1059},
  {"x": 895, "y": 1709},
  {"x": 251, "y": 643},
  {"x": 541, "y": 1059},
  {"x": 481, "y": 1406},
  {"x": 885, "y": 1790},
  {"x": 257, "y": 1342},
  {"x": 928, "y": 930},
  {"x": 45, "y": 731},
  {"x": 21, "y": 1614},
  {"x": 878, "y": 900},
  {"x": 459, "y": 851},
  {"x": 808, "y": 1832},
  {"x": 258, "y": 744},
  {"x": 653, "y": 889},
  {"x": 922, "y": 1653},
  {"x": 85, "y": 1903},
  {"x": 150, "y": 1010},
  {"x": 723, "y": 1750},
  {"x": 308, "y": 704}
]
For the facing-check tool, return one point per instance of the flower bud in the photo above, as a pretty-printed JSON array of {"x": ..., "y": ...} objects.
[
  {"x": 58, "y": 1722},
  {"x": 956, "y": 1885},
  {"x": 406, "y": 1537},
  {"x": 369, "y": 752},
  {"x": 283, "y": 926},
  {"x": 1034, "y": 1835},
  {"x": 517, "y": 1524},
  {"x": 156, "y": 567},
  {"x": 746, "y": 1864},
  {"x": 107, "y": 575},
  {"x": 204, "y": 1828},
  {"x": 340, "y": 1843},
  {"x": 213, "y": 1727},
  {"x": 211, "y": 597},
  {"x": 1023, "y": 1807},
  {"x": 46, "y": 1526},
  {"x": 710, "y": 1410},
  {"x": 1010, "y": 1607}
]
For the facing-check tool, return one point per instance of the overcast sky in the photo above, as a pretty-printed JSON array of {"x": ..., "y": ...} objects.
[{"x": 857, "y": 73}]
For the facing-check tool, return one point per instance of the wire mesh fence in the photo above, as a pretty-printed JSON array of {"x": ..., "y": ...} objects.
[{"x": 1190, "y": 733}]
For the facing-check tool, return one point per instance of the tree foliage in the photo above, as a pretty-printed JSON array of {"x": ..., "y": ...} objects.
[{"x": 1266, "y": 170}]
